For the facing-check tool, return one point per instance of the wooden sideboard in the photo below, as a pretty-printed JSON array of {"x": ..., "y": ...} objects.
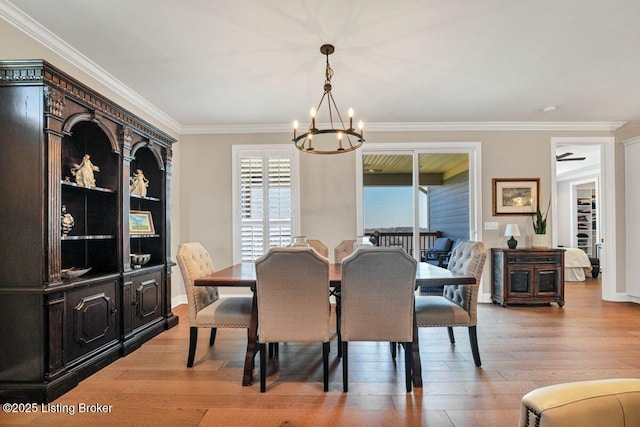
[{"x": 527, "y": 276}]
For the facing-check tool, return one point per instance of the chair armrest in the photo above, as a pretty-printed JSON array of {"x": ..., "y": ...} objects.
[{"x": 434, "y": 255}]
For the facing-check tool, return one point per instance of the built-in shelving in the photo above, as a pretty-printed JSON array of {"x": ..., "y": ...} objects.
[
  {"x": 586, "y": 222},
  {"x": 58, "y": 219}
]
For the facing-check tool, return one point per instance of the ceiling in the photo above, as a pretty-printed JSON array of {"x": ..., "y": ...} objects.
[
  {"x": 442, "y": 163},
  {"x": 215, "y": 65}
]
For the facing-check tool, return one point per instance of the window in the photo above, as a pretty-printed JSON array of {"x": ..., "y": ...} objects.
[{"x": 264, "y": 199}]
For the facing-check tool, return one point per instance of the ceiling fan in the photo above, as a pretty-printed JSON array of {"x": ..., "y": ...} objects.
[{"x": 564, "y": 157}]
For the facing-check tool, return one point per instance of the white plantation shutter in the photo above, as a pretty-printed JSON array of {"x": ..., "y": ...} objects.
[{"x": 265, "y": 199}]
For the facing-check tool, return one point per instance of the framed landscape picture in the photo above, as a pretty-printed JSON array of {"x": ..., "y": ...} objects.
[
  {"x": 141, "y": 222},
  {"x": 516, "y": 196}
]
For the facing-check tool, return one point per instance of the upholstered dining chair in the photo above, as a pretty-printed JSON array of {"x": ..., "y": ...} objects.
[
  {"x": 343, "y": 250},
  {"x": 458, "y": 304},
  {"x": 292, "y": 285},
  {"x": 378, "y": 290},
  {"x": 206, "y": 308},
  {"x": 320, "y": 247},
  {"x": 340, "y": 252}
]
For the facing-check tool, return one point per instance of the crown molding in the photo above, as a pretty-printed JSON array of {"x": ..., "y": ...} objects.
[
  {"x": 418, "y": 127},
  {"x": 42, "y": 35},
  {"x": 632, "y": 141}
]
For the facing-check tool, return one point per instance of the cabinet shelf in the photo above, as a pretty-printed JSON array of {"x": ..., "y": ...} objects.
[
  {"x": 153, "y": 199},
  {"x": 98, "y": 189},
  {"x": 144, "y": 236},
  {"x": 90, "y": 237}
]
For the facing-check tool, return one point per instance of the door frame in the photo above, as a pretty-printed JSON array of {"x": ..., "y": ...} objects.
[{"x": 608, "y": 252}]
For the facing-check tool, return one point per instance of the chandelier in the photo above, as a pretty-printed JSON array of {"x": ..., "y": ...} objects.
[{"x": 346, "y": 139}]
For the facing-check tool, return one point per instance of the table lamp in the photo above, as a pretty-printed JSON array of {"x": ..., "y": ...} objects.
[{"x": 512, "y": 230}]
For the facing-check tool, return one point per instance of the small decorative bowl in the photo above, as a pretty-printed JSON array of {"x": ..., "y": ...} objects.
[
  {"x": 138, "y": 260},
  {"x": 72, "y": 273}
]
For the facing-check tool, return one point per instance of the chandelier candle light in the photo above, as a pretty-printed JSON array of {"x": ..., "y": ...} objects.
[{"x": 305, "y": 141}]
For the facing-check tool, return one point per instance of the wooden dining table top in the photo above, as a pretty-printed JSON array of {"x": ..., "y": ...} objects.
[{"x": 244, "y": 275}]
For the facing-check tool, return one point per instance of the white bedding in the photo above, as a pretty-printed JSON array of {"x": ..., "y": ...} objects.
[{"x": 576, "y": 263}]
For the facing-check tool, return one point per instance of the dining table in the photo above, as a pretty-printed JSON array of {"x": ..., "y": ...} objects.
[{"x": 243, "y": 275}]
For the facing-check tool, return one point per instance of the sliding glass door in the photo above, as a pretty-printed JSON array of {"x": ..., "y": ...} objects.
[{"x": 411, "y": 197}]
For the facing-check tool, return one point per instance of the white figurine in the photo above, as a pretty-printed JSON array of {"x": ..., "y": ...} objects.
[
  {"x": 84, "y": 172},
  {"x": 138, "y": 184}
]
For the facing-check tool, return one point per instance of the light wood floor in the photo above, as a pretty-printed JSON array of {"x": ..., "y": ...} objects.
[{"x": 522, "y": 348}]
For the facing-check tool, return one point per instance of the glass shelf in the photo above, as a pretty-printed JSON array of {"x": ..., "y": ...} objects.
[
  {"x": 90, "y": 237},
  {"x": 98, "y": 189},
  {"x": 153, "y": 199}
]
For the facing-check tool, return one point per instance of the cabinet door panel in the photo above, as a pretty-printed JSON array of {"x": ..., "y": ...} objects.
[
  {"x": 91, "y": 319},
  {"x": 147, "y": 294},
  {"x": 547, "y": 281},
  {"x": 520, "y": 281}
]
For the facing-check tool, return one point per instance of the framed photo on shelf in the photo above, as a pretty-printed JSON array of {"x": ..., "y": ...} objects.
[
  {"x": 515, "y": 196},
  {"x": 141, "y": 222}
]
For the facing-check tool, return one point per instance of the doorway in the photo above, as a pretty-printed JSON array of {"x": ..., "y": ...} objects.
[{"x": 573, "y": 179}]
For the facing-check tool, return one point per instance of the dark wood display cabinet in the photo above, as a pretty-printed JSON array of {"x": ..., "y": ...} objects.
[
  {"x": 68, "y": 156},
  {"x": 527, "y": 276}
]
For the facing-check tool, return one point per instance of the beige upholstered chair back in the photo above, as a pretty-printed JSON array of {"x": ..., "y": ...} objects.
[
  {"x": 343, "y": 250},
  {"x": 467, "y": 258},
  {"x": 293, "y": 295},
  {"x": 195, "y": 262},
  {"x": 378, "y": 288},
  {"x": 319, "y": 247}
]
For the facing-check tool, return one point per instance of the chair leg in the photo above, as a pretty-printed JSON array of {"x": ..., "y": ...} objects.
[
  {"x": 452, "y": 339},
  {"x": 212, "y": 338},
  {"x": 408, "y": 364},
  {"x": 338, "y": 320},
  {"x": 345, "y": 367},
  {"x": 393, "y": 350},
  {"x": 263, "y": 367},
  {"x": 325, "y": 364},
  {"x": 272, "y": 348},
  {"x": 193, "y": 340},
  {"x": 473, "y": 339}
]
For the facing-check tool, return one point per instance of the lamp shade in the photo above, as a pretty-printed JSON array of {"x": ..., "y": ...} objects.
[{"x": 512, "y": 230}]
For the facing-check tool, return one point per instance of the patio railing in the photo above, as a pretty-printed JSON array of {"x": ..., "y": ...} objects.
[{"x": 405, "y": 239}]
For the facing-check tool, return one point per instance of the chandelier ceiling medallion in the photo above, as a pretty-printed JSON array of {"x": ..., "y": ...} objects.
[{"x": 346, "y": 139}]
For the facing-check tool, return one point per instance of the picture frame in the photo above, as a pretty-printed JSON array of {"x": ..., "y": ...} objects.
[
  {"x": 141, "y": 222},
  {"x": 515, "y": 196}
]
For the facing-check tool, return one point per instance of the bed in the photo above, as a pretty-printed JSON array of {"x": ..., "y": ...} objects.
[{"x": 576, "y": 263}]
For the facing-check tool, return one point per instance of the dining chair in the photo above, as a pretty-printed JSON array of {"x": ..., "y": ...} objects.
[
  {"x": 292, "y": 285},
  {"x": 457, "y": 306},
  {"x": 343, "y": 250},
  {"x": 378, "y": 290},
  {"x": 206, "y": 308},
  {"x": 320, "y": 247},
  {"x": 340, "y": 252}
]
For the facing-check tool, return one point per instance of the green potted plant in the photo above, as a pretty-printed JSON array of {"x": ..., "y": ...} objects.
[{"x": 540, "y": 239}]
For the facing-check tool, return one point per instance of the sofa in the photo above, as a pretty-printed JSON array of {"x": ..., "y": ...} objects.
[{"x": 606, "y": 403}]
